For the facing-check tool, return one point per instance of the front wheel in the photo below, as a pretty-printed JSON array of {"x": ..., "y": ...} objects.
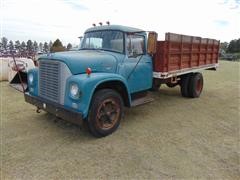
[{"x": 105, "y": 112}]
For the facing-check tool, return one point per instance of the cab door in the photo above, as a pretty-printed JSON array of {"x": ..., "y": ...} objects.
[{"x": 137, "y": 64}]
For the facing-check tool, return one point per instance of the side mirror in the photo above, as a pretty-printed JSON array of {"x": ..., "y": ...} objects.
[{"x": 152, "y": 43}]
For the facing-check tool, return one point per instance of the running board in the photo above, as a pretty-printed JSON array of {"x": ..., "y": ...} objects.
[{"x": 141, "y": 101}]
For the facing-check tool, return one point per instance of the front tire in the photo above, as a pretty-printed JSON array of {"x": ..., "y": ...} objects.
[{"x": 105, "y": 112}]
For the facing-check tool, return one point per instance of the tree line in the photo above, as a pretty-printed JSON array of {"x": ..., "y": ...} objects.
[
  {"x": 30, "y": 48},
  {"x": 232, "y": 47}
]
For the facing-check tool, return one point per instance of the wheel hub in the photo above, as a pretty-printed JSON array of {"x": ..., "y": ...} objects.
[{"x": 108, "y": 113}]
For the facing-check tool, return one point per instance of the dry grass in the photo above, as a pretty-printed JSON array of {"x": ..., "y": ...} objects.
[{"x": 172, "y": 137}]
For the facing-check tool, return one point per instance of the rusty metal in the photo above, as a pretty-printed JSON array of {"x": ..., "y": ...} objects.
[
  {"x": 152, "y": 43},
  {"x": 179, "y": 52},
  {"x": 108, "y": 114}
]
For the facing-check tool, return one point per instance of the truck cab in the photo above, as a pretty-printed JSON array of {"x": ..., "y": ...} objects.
[
  {"x": 126, "y": 46},
  {"x": 95, "y": 82}
]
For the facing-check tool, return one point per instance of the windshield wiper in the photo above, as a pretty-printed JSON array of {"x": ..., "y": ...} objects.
[
  {"x": 88, "y": 49},
  {"x": 111, "y": 50},
  {"x": 100, "y": 49}
]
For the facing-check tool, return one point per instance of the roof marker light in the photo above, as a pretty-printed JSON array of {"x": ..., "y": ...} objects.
[
  {"x": 100, "y": 23},
  {"x": 94, "y": 24},
  {"x": 108, "y": 23}
]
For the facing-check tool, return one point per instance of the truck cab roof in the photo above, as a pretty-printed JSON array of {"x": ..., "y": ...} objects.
[{"x": 114, "y": 27}]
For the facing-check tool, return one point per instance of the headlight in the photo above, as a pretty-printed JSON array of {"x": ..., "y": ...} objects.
[
  {"x": 74, "y": 91},
  {"x": 30, "y": 78}
]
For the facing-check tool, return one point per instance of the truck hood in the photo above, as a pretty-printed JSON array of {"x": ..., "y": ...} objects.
[{"x": 78, "y": 61}]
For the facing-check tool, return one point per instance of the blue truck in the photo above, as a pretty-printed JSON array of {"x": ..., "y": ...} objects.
[{"x": 114, "y": 68}]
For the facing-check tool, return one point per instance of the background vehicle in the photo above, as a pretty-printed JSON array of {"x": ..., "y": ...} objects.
[{"x": 115, "y": 67}]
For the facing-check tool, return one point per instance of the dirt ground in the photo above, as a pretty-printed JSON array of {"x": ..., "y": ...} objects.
[{"x": 172, "y": 137}]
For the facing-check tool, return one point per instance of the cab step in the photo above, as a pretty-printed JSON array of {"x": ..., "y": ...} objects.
[{"x": 141, "y": 101}]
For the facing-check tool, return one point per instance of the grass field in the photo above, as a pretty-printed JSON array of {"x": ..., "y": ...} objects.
[{"x": 172, "y": 137}]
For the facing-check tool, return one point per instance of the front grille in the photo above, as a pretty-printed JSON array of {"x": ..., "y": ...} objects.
[{"x": 49, "y": 80}]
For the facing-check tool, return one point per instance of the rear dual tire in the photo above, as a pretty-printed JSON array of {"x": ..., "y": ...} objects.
[
  {"x": 195, "y": 85},
  {"x": 184, "y": 84},
  {"x": 191, "y": 85}
]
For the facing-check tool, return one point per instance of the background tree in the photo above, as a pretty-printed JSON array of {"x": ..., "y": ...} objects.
[
  {"x": 40, "y": 46},
  {"x": 69, "y": 46},
  {"x": 4, "y": 41},
  {"x": 35, "y": 46},
  {"x": 238, "y": 45},
  {"x": 23, "y": 48},
  {"x": 234, "y": 46},
  {"x": 224, "y": 46},
  {"x": 50, "y": 44},
  {"x": 17, "y": 45},
  {"x": 11, "y": 46},
  {"x": 57, "y": 46},
  {"x": 30, "y": 47},
  {"x": 45, "y": 47},
  {"x": 231, "y": 48}
]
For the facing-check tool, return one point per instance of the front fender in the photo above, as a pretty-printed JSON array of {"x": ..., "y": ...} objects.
[{"x": 87, "y": 85}]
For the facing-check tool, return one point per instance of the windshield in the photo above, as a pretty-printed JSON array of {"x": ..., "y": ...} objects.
[{"x": 104, "y": 40}]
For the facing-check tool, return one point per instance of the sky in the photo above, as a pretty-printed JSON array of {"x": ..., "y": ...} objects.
[{"x": 45, "y": 20}]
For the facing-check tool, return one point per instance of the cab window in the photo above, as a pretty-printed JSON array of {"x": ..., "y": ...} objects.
[
  {"x": 109, "y": 40},
  {"x": 134, "y": 45}
]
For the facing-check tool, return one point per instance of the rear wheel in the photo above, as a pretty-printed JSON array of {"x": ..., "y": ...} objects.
[
  {"x": 184, "y": 84},
  {"x": 105, "y": 112},
  {"x": 195, "y": 85}
]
